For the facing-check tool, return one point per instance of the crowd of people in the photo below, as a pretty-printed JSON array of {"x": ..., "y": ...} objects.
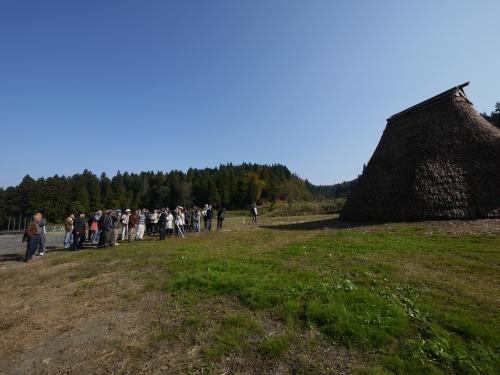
[{"x": 106, "y": 228}]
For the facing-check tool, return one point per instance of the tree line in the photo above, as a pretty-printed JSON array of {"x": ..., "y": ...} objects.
[
  {"x": 494, "y": 116},
  {"x": 233, "y": 186}
]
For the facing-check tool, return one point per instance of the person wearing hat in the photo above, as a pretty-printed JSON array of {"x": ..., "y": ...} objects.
[{"x": 78, "y": 232}]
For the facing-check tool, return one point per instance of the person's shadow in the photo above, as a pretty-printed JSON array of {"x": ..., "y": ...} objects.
[
  {"x": 11, "y": 258},
  {"x": 19, "y": 256}
]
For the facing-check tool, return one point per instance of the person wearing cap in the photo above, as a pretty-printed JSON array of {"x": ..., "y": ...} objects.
[
  {"x": 124, "y": 221},
  {"x": 78, "y": 232}
]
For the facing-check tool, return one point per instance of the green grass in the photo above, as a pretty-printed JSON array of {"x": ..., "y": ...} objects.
[{"x": 401, "y": 298}]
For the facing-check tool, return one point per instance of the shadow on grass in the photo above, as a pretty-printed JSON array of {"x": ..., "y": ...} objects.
[
  {"x": 19, "y": 255},
  {"x": 333, "y": 223},
  {"x": 11, "y": 258}
]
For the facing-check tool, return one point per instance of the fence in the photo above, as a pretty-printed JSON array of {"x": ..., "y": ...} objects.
[{"x": 18, "y": 224}]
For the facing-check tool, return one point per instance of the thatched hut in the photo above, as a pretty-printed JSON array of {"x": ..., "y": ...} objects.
[{"x": 439, "y": 159}]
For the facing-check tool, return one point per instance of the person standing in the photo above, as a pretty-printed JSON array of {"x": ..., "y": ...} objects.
[
  {"x": 179, "y": 221},
  {"x": 105, "y": 226},
  {"x": 33, "y": 233},
  {"x": 187, "y": 220},
  {"x": 196, "y": 219},
  {"x": 41, "y": 245},
  {"x": 124, "y": 221},
  {"x": 90, "y": 221},
  {"x": 142, "y": 225},
  {"x": 204, "y": 214},
  {"x": 133, "y": 219},
  {"x": 162, "y": 223},
  {"x": 210, "y": 214},
  {"x": 155, "y": 216},
  {"x": 78, "y": 232},
  {"x": 97, "y": 233},
  {"x": 220, "y": 217},
  {"x": 116, "y": 227},
  {"x": 170, "y": 222},
  {"x": 68, "y": 230},
  {"x": 254, "y": 213}
]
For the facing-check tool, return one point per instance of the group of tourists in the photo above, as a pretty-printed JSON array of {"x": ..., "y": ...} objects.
[{"x": 106, "y": 228}]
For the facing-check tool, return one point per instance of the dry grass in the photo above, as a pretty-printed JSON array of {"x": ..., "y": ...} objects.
[{"x": 262, "y": 299}]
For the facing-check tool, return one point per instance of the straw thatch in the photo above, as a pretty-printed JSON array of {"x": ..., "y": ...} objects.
[{"x": 437, "y": 160}]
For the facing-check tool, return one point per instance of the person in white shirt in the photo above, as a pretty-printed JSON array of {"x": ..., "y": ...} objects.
[
  {"x": 124, "y": 221},
  {"x": 154, "y": 217},
  {"x": 179, "y": 221},
  {"x": 170, "y": 222}
]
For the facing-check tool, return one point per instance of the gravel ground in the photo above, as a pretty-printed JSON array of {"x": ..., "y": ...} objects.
[{"x": 11, "y": 243}]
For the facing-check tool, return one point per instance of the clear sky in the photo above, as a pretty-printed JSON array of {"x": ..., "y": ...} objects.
[{"x": 160, "y": 85}]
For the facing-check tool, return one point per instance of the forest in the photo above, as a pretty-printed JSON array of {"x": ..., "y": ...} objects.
[
  {"x": 232, "y": 186},
  {"x": 494, "y": 116}
]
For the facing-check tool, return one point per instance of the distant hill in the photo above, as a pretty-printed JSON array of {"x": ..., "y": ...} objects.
[{"x": 340, "y": 190}]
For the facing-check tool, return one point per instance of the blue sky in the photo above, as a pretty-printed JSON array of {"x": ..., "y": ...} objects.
[{"x": 160, "y": 85}]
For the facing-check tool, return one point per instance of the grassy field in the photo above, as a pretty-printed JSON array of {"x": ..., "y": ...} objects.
[{"x": 284, "y": 297}]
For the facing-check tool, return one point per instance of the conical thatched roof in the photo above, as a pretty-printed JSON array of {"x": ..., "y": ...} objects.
[{"x": 439, "y": 159}]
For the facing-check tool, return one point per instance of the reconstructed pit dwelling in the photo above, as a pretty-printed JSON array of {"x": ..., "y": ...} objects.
[{"x": 439, "y": 159}]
